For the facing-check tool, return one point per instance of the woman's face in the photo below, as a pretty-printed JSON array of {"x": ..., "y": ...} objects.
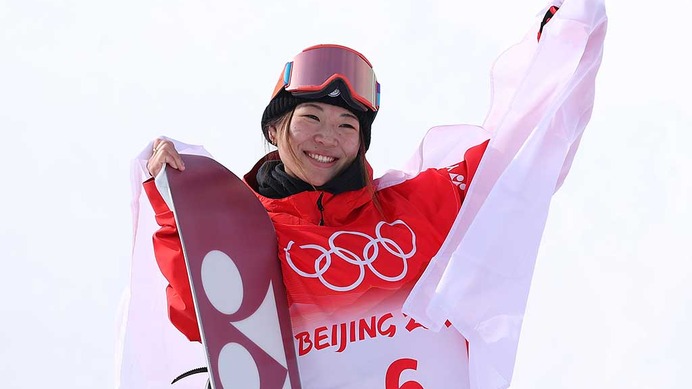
[{"x": 322, "y": 141}]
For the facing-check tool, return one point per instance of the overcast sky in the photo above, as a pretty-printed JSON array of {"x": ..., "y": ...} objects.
[{"x": 84, "y": 85}]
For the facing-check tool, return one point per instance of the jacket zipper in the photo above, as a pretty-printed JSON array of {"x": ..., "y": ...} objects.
[{"x": 321, "y": 208}]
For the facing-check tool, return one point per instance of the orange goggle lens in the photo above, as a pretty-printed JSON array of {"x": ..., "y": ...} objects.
[{"x": 318, "y": 66}]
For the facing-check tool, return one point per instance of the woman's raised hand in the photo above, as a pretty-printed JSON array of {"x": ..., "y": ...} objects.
[{"x": 164, "y": 153}]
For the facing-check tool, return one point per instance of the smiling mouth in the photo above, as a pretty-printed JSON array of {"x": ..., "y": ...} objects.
[{"x": 321, "y": 158}]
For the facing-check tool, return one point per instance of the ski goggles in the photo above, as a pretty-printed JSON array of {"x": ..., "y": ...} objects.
[{"x": 314, "y": 69}]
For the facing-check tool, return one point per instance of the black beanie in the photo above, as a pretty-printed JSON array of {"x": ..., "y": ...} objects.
[{"x": 284, "y": 102}]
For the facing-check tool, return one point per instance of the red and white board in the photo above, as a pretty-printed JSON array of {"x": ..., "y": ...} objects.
[{"x": 230, "y": 248}]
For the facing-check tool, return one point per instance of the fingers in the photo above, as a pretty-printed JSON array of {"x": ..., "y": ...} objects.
[
  {"x": 164, "y": 152},
  {"x": 162, "y": 144}
]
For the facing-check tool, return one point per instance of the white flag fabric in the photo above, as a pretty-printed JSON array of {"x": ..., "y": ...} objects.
[
  {"x": 543, "y": 94},
  {"x": 542, "y": 99},
  {"x": 151, "y": 351}
]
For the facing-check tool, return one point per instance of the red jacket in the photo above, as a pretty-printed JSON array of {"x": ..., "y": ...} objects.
[{"x": 365, "y": 254}]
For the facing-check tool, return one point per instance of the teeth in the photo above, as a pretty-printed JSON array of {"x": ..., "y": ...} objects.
[{"x": 321, "y": 158}]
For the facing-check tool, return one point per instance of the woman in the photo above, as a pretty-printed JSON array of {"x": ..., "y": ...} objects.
[
  {"x": 402, "y": 243},
  {"x": 318, "y": 189}
]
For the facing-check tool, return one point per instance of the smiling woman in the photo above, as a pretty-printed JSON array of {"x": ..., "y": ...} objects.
[{"x": 401, "y": 277}]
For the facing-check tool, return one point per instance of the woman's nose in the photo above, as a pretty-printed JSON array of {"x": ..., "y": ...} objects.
[{"x": 327, "y": 135}]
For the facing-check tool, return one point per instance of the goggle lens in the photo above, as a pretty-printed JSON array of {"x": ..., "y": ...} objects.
[{"x": 318, "y": 66}]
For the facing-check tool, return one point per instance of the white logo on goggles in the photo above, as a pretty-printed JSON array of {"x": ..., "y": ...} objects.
[{"x": 368, "y": 256}]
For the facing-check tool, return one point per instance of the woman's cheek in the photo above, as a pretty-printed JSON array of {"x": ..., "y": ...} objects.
[
  {"x": 301, "y": 131},
  {"x": 353, "y": 144}
]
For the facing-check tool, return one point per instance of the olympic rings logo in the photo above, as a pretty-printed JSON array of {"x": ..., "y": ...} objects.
[{"x": 363, "y": 260}]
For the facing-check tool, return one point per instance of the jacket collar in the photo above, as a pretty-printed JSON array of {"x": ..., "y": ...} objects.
[
  {"x": 336, "y": 205},
  {"x": 269, "y": 172}
]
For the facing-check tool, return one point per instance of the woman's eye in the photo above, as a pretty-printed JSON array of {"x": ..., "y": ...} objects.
[{"x": 313, "y": 117}]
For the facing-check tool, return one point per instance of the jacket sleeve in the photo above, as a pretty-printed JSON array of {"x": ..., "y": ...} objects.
[
  {"x": 462, "y": 173},
  {"x": 472, "y": 158},
  {"x": 171, "y": 261}
]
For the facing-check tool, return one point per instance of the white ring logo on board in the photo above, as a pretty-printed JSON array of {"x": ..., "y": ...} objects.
[{"x": 363, "y": 260}]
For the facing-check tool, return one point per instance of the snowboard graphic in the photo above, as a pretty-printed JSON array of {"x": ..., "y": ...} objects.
[{"x": 230, "y": 249}]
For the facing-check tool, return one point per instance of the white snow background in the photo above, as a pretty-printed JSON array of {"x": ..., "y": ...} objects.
[{"x": 84, "y": 85}]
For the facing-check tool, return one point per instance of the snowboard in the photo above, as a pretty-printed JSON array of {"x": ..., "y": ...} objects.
[{"x": 230, "y": 249}]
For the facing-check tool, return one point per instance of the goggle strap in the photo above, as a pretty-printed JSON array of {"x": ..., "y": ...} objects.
[
  {"x": 287, "y": 73},
  {"x": 377, "y": 98}
]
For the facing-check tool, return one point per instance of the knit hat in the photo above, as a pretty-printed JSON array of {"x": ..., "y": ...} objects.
[{"x": 335, "y": 94}]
